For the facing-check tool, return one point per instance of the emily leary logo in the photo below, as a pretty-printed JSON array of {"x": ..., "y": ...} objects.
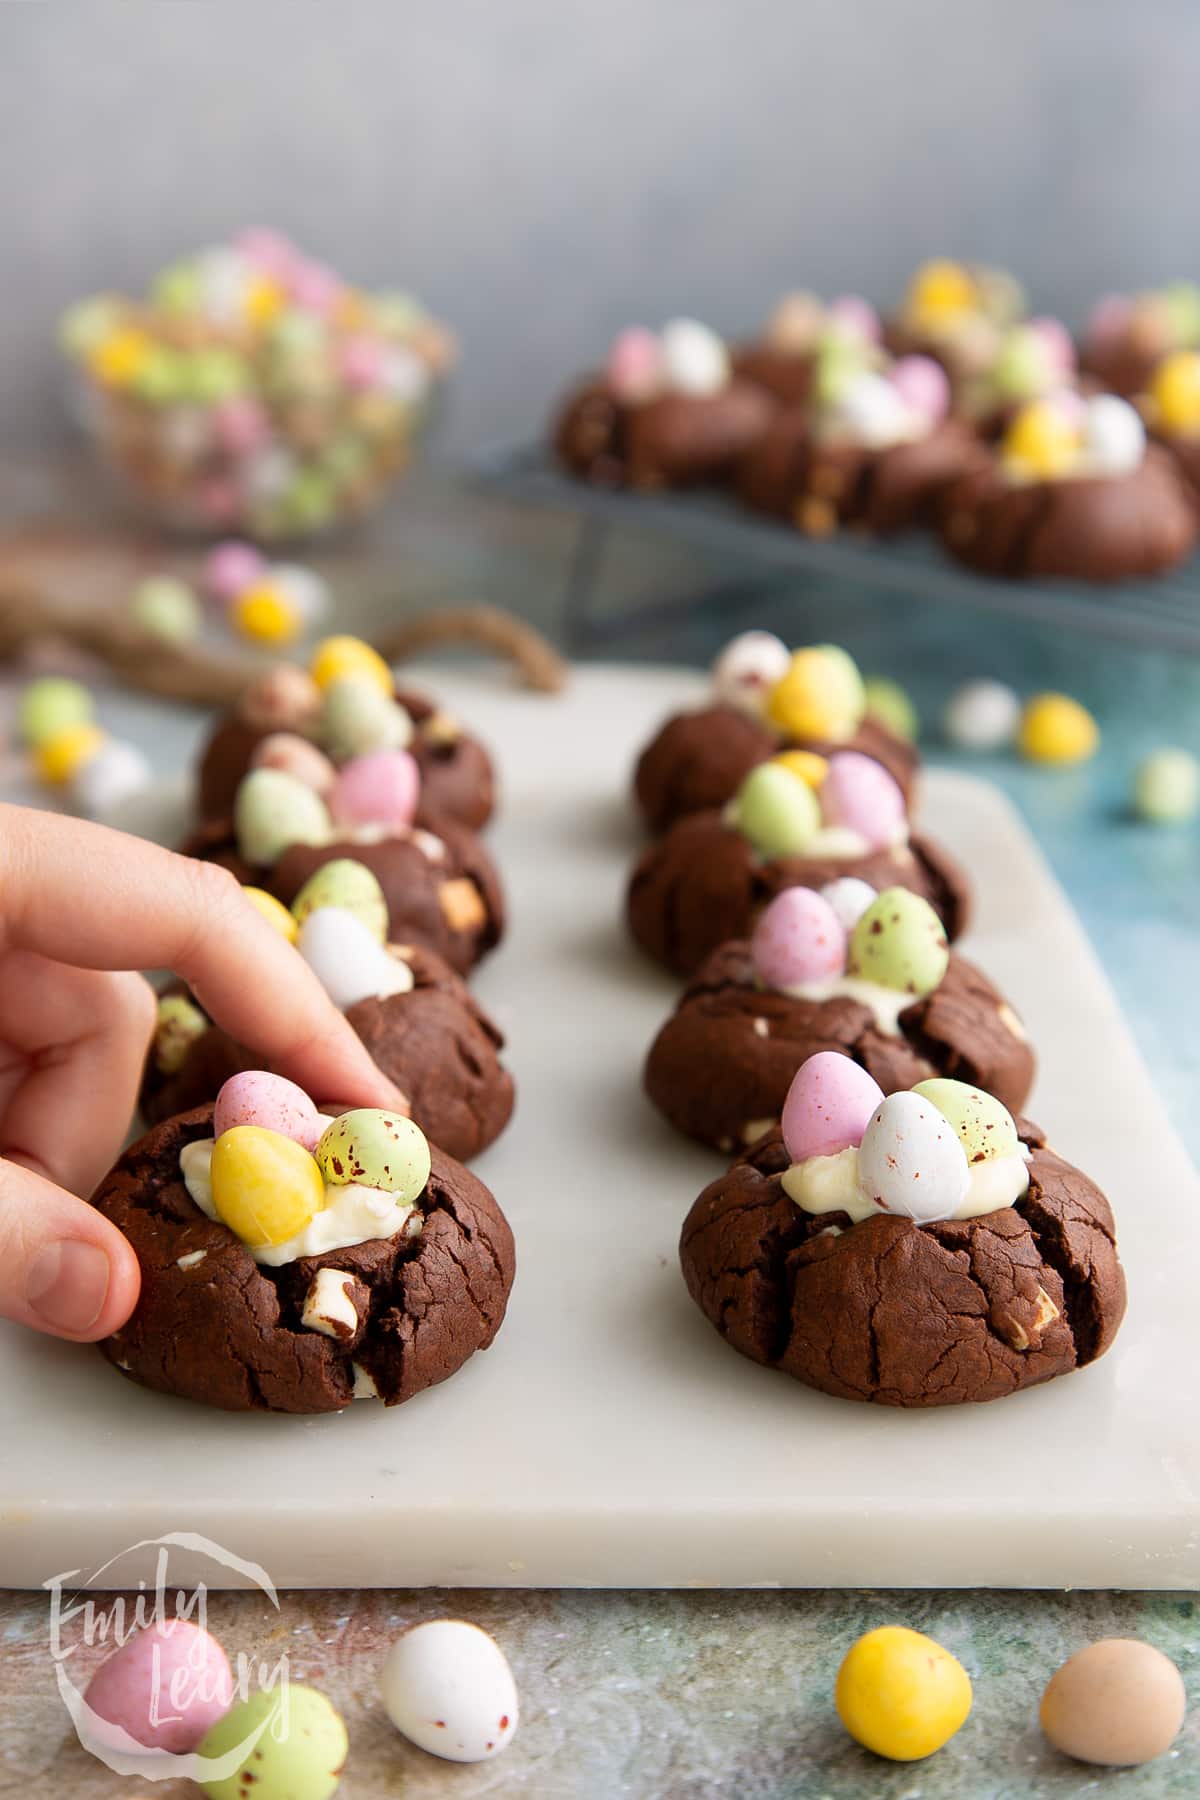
[{"x": 78, "y": 1618}]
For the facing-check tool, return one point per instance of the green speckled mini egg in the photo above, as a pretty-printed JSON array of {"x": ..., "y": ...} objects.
[
  {"x": 352, "y": 888},
  {"x": 298, "y": 1756},
  {"x": 985, "y": 1128},
  {"x": 180, "y": 1023},
  {"x": 900, "y": 943},
  {"x": 777, "y": 811},
  {"x": 50, "y": 705},
  {"x": 378, "y": 1149},
  {"x": 273, "y": 810},
  {"x": 358, "y": 718}
]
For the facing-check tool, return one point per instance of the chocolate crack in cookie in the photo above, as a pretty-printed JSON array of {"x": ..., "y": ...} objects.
[
  {"x": 384, "y": 1317},
  {"x": 868, "y": 1304}
]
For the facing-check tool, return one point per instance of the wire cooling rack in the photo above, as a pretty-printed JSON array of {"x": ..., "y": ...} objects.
[{"x": 1163, "y": 613}]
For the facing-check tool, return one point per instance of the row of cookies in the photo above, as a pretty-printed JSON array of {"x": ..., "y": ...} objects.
[
  {"x": 357, "y": 1257},
  {"x": 892, "y": 1229},
  {"x": 957, "y": 412}
]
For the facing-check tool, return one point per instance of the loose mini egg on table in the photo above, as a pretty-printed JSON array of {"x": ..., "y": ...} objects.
[
  {"x": 73, "y": 754},
  {"x": 446, "y": 1685}
]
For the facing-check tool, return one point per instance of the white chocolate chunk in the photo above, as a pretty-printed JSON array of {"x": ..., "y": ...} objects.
[
  {"x": 761, "y": 1028},
  {"x": 364, "y": 1387},
  {"x": 328, "y": 1307},
  {"x": 191, "y": 1259}
]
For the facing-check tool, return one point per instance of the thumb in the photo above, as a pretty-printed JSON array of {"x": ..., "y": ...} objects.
[{"x": 63, "y": 1268}]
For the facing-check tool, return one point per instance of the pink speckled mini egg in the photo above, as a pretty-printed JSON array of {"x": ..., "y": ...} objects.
[
  {"x": 228, "y": 568},
  {"x": 798, "y": 939},
  {"x": 635, "y": 368},
  {"x": 922, "y": 384},
  {"x": 859, "y": 794},
  {"x": 165, "y": 1686},
  {"x": 256, "y": 1097},
  {"x": 829, "y": 1106},
  {"x": 380, "y": 788}
]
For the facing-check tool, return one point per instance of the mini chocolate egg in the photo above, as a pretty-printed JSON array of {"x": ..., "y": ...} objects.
[
  {"x": 165, "y": 608},
  {"x": 1166, "y": 787},
  {"x": 923, "y": 385},
  {"x": 52, "y": 705},
  {"x": 820, "y": 696},
  {"x": 273, "y": 911},
  {"x": 776, "y": 810},
  {"x": 350, "y": 886},
  {"x": 265, "y": 1186},
  {"x": 272, "y": 811},
  {"x": 982, "y": 715},
  {"x": 336, "y": 657},
  {"x": 888, "y": 702},
  {"x": 348, "y": 960},
  {"x": 381, "y": 788},
  {"x": 798, "y": 939},
  {"x": 748, "y": 668},
  {"x": 849, "y": 898},
  {"x": 58, "y": 759},
  {"x": 985, "y": 1128},
  {"x": 811, "y": 768},
  {"x": 282, "y": 699},
  {"x": 307, "y": 591},
  {"x": 293, "y": 755},
  {"x": 849, "y": 315},
  {"x": 104, "y": 782},
  {"x": 357, "y": 719},
  {"x": 828, "y": 1107},
  {"x": 179, "y": 1023},
  {"x": 1056, "y": 729},
  {"x": 1175, "y": 393},
  {"x": 255, "y": 1097},
  {"x": 872, "y": 411},
  {"x": 1118, "y": 1703},
  {"x": 634, "y": 370},
  {"x": 859, "y": 794},
  {"x": 899, "y": 942},
  {"x": 1042, "y": 443},
  {"x": 911, "y": 1162},
  {"x": 900, "y": 1694},
  {"x": 448, "y": 1687},
  {"x": 295, "y": 1744},
  {"x": 1114, "y": 438},
  {"x": 694, "y": 360},
  {"x": 1024, "y": 365},
  {"x": 377, "y": 1149},
  {"x": 795, "y": 323},
  {"x": 166, "y": 1686},
  {"x": 265, "y": 614}
]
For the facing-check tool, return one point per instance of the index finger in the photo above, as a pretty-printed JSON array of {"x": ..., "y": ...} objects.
[{"x": 98, "y": 899}]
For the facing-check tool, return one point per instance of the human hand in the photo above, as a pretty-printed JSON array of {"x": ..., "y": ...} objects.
[{"x": 79, "y": 906}]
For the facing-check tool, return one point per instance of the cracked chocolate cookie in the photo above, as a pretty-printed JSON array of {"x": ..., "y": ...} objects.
[
  {"x": 1074, "y": 491},
  {"x": 858, "y": 1300},
  {"x": 766, "y": 699},
  {"x": 721, "y": 1066},
  {"x": 457, "y": 776},
  {"x": 705, "y": 882},
  {"x": 432, "y": 1039},
  {"x": 378, "y": 1294}
]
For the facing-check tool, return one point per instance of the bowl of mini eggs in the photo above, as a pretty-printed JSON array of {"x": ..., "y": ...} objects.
[{"x": 254, "y": 390}]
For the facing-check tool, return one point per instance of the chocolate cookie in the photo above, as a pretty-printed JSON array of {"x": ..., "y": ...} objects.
[
  {"x": 676, "y": 440},
  {"x": 721, "y": 1066},
  {"x": 698, "y": 760},
  {"x": 702, "y": 884},
  {"x": 214, "y": 1325},
  {"x": 1092, "y": 529},
  {"x": 435, "y": 1042},
  {"x": 457, "y": 776},
  {"x": 787, "y": 375},
  {"x": 901, "y": 1314},
  {"x": 451, "y": 902},
  {"x": 818, "y": 484}
]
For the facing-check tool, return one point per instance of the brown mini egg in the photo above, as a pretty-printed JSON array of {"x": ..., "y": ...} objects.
[{"x": 1119, "y": 1702}]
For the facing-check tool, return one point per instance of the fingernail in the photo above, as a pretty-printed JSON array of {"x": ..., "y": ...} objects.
[{"x": 68, "y": 1285}]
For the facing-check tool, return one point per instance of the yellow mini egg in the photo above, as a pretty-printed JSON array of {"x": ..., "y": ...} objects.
[
  {"x": 1056, "y": 729},
  {"x": 940, "y": 289},
  {"x": 821, "y": 696},
  {"x": 266, "y": 1187},
  {"x": 337, "y": 657},
  {"x": 810, "y": 767},
  {"x": 265, "y": 615},
  {"x": 58, "y": 759},
  {"x": 1042, "y": 442},
  {"x": 274, "y": 912},
  {"x": 900, "y": 1694},
  {"x": 118, "y": 358},
  {"x": 1175, "y": 391},
  {"x": 265, "y": 300}
]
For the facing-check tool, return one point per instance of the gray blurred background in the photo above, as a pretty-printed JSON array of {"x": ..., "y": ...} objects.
[{"x": 543, "y": 172}]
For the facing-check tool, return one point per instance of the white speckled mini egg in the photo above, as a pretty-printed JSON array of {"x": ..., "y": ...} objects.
[
  {"x": 447, "y": 1686},
  {"x": 911, "y": 1161}
]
